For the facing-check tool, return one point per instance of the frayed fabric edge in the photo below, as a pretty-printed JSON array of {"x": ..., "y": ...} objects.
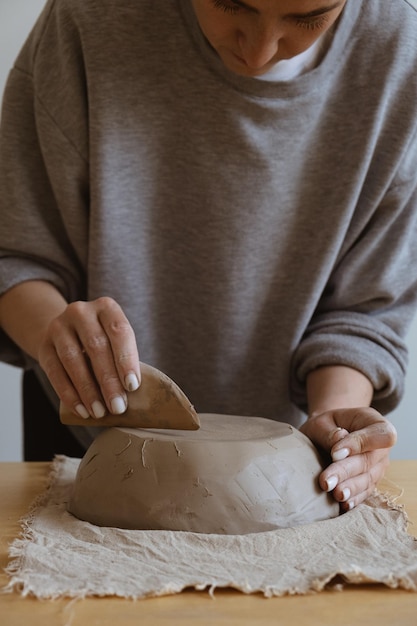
[
  {"x": 316, "y": 586},
  {"x": 18, "y": 584},
  {"x": 17, "y": 547},
  {"x": 389, "y": 500}
]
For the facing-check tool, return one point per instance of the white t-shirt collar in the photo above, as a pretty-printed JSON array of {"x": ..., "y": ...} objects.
[{"x": 296, "y": 66}]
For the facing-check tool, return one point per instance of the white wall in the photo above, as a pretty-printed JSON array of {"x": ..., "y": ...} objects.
[
  {"x": 16, "y": 19},
  {"x": 405, "y": 417}
]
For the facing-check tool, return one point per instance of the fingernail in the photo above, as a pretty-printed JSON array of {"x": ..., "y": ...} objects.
[
  {"x": 345, "y": 494},
  {"x": 99, "y": 410},
  {"x": 339, "y": 433},
  {"x": 82, "y": 411},
  {"x": 341, "y": 454},
  {"x": 331, "y": 483},
  {"x": 118, "y": 405},
  {"x": 131, "y": 382}
]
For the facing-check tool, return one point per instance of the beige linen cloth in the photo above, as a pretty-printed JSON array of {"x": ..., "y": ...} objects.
[{"x": 61, "y": 556}]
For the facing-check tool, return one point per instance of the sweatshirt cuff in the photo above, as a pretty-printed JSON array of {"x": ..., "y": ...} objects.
[{"x": 381, "y": 357}]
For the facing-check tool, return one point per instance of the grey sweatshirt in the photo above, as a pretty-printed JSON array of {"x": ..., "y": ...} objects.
[{"x": 251, "y": 231}]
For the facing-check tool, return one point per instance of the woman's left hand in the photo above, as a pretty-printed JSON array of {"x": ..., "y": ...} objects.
[{"x": 358, "y": 441}]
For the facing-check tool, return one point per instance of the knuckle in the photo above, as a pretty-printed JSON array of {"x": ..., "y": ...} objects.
[
  {"x": 344, "y": 473},
  {"x": 108, "y": 380},
  {"x": 69, "y": 354},
  {"x": 373, "y": 413},
  {"x": 125, "y": 358},
  {"x": 347, "y": 474},
  {"x": 361, "y": 441},
  {"x": 54, "y": 328},
  {"x": 377, "y": 470},
  {"x": 87, "y": 388},
  {"x": 95, "y": 343},
  {"x": 106, "y": 302},
  {"x": 76, "y": 309},
  {"x": 367, "y": 463},
  {"x": 320, "y": 418},
  {"x": 392, "y": 434},
  {"x": 119, "y": 327}
]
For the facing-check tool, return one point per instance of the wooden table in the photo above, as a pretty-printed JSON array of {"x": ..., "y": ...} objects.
[{"x": 355, "y": 606}]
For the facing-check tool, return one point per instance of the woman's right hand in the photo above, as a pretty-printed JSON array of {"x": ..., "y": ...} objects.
[{"x": 90, "y": 357}]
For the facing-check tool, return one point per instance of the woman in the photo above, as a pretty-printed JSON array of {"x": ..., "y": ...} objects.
[{"x": 231, "y": 187}]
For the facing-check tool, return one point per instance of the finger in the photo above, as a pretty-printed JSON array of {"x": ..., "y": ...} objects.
[
  {"x": 324, "y": 431},
  {"x": 122, "y": 342},
  {"x": 356, "y": 491},
  {"x": 95, "y": 341},
  {"x": 381, "y": 434},
  {"x": 352, "y": 467},
  {"x": 64, "y": 365},
  {"x": 83, "y": 382},
  {"x": 96, "y": 375},
  {"x": 77, "y": 335},
  {"x": 353, "y": 479},
  {"x": 111, "y": 346},
  {"x": 356, "y": 418},
  {"x": 368, "y": 430}
]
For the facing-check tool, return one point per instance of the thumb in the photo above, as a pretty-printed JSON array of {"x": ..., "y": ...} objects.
[
  {"x": 323, "y": 431},
  {"x": 350, "y": 431}
]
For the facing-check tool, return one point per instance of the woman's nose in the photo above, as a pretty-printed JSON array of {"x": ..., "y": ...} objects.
[{"x": 259, "y": 46}]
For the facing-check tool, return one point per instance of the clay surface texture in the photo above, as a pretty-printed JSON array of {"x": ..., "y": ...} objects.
[
  {"x": 235, "y": 475},
  {"x": 158, "y": 402}
]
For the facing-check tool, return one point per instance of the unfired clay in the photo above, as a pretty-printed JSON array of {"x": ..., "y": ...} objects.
[
  {"x": 158, "y": 402},
  {"x": 235, "y": 475}
]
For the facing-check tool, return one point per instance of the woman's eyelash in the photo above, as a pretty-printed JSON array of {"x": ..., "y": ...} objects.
[
  {"x": 226, "y": 6},
  {"x": 309, "y": 24}
]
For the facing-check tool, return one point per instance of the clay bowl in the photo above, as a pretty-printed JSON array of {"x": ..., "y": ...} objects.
[{"x": 235, "y": 475}]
